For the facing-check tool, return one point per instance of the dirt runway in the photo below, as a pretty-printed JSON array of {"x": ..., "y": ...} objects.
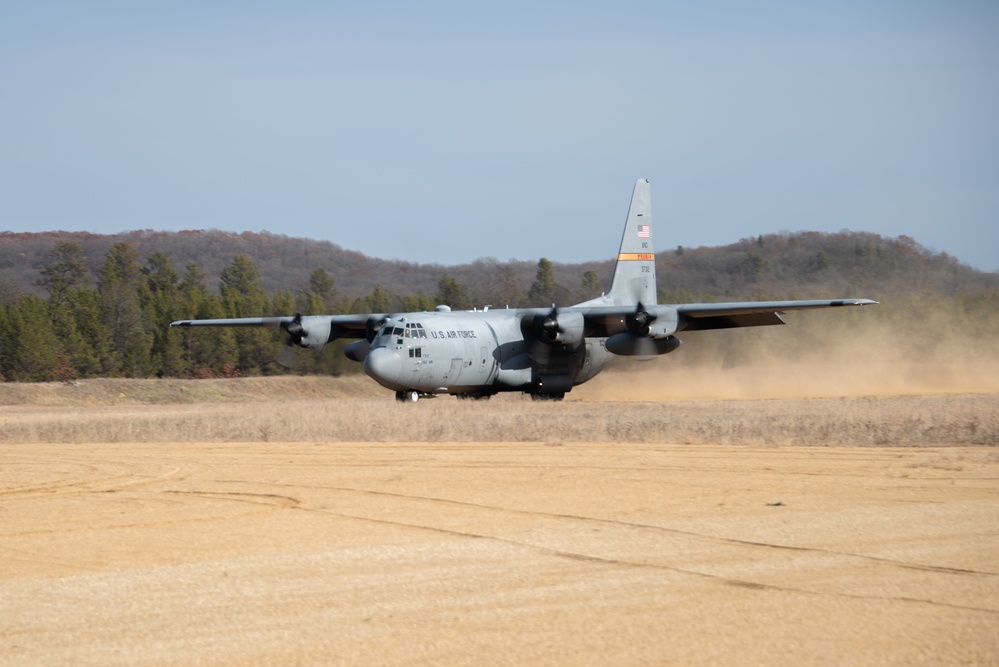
[{"x": 497, "y": 553}]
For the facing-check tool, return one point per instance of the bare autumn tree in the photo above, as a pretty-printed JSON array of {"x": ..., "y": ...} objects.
[
  {"x": 591, "y": 285},
  {"x": 65, "y": 271}
]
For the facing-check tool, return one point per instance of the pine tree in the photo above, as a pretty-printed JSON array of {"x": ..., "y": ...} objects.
[
  {"x": 160, "y": 305},
  {"x": 452, "y": 293},
  {"x": 543, "y": 288},
  {"x": 206, "y": 352},
  {"x": 65, "y": 278},
  {"x": 7, "y": 341},
  {"x": 242, "y": 296},
  {"x": 90, "y": 355},
  {"x": 33, "y": 342},
  {"x": 118, "y": 286},
  {"x": 379, "y": 301},
  {"x": 418, "y": 304},
  {"x": 321, "y": 285},
  {"x": 76, "y": 354}
]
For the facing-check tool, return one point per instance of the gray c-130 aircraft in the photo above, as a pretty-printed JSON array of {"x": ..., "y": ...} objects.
[{"x": 543, "y": 352}]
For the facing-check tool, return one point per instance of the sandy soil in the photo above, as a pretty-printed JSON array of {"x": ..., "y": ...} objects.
[{"x": 497, "y": 553}]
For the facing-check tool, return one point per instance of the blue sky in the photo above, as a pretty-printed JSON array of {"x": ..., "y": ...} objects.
[{"x": 445, "y": 132}]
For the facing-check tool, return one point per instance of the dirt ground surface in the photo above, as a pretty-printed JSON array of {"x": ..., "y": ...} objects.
[{"x": 381, "y": 553}]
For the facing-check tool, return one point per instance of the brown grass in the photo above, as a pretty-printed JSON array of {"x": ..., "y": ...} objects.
[{"x": 355, "y": 409}]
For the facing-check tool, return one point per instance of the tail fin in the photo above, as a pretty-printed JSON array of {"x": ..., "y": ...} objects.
[{"x": 635, "y": 273}]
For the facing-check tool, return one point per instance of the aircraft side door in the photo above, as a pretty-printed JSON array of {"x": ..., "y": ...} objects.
[{"x": 452, "y": 375}]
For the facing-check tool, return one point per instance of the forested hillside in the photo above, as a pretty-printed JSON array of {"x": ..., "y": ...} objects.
[{"x": 84, "y": 305}]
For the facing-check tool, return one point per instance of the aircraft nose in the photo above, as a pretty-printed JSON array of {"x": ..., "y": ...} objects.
[{"x": 384, "y": 366}]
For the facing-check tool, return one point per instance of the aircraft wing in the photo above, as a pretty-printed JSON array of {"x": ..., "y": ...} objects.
[
  {"x": 308, "y": 331},
  {"x": 269, "y": 322},
  {"x": 352, "y": 326},
  {"x": 664, "y": 319},
  {"x": 705, "y": 316}
]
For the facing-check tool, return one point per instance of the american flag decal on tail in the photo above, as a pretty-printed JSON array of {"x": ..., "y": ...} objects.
[{"x": 643, "y": 231}]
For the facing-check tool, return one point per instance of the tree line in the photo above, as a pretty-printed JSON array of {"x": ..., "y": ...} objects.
[
  {"x": 87, "y": 319},
  {"x": 120, "y": 326}
]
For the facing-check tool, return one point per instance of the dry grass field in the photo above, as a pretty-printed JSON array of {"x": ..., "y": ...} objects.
[{"x": 758, "y": 516}]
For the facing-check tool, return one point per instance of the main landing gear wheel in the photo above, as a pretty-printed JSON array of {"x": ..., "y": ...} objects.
[{"x": 407, "y": 396}]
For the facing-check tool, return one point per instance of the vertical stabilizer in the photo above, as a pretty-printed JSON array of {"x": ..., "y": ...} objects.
[{"x": 635, "y": 273}]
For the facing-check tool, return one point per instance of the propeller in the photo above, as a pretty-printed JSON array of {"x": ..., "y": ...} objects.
[
  {"x": 372, "y": 325},
  {"x": 295, "y": 331},
  {"x": 286, "y": 357},
  {"x": 638, "y": 340},
  {"x": 640, "y": 322},
  {"x": 639, "y": 325},
  {"x": 550, "y": 326},
  {"x": 645, "y": 348}
]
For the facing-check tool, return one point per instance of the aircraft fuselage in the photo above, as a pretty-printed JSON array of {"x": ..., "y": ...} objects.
[{"x": 477, "y": 353}]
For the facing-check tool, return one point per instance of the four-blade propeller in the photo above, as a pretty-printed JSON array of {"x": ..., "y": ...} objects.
[{"x": 296, "y": 332}]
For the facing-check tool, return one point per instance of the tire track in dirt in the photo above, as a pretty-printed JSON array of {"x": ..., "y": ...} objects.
[
  {"x": 101, "y": 477},
  {"x": 590, "y": 556},
  {"x": 82, "y": 474},
  {"x": 675, "y": 531},
  {"x": 265, "y": 502},
  {"x": 601, "y": 560},
  {"x": 272, "y": 502}
]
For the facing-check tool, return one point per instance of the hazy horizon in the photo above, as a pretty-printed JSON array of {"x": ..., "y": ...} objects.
[{"x": 444, "y": 133}]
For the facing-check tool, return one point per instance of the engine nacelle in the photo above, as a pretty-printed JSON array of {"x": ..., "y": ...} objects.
[
  {"x": 358, "y": 350},
  {"x": 312, "y": 331},
  {"x": 560, "y": 328},
  {"x": 629, "y": 345}
]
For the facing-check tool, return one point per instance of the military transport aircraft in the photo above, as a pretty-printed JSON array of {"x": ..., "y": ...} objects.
[{"x": 543, "y": 352}]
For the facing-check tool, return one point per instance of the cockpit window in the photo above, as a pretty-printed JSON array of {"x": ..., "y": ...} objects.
[{"x": 410, "y": 330}]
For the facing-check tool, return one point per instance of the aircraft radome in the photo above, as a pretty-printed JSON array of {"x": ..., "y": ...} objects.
[{"x": 543, "y": 352}]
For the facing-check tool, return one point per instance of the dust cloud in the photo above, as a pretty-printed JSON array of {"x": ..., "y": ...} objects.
[
  {"x": 878, "y": 359},
  {"x": 784, "y": 380}
]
